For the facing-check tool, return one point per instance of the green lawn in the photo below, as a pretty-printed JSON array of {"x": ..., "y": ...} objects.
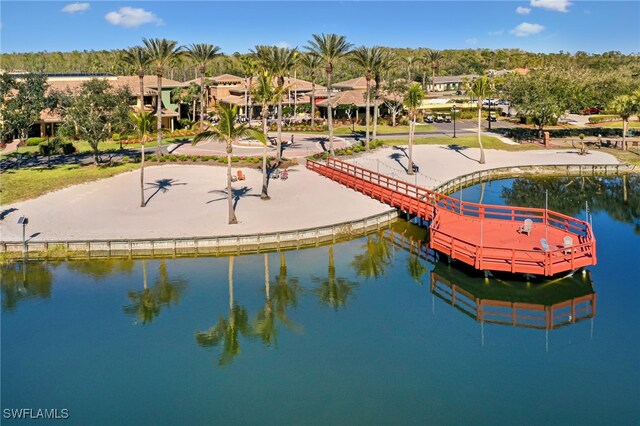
[
  {"x": 383, "y": 129},
  {"x": 618, "y": 124},
  {"x": 24, "y": 184},
  {"x": 489, "y": 142}
]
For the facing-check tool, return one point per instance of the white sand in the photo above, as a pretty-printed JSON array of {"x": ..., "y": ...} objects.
[{"x": 109, "y": 209}]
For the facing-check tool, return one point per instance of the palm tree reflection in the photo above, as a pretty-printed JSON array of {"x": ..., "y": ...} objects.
[
  {"x": 332, "y": 291},
  {"x": 375, "y": 259},
  {"x": 228, "y": 330}
]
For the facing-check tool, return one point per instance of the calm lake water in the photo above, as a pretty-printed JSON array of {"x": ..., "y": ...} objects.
[{"x": 362, "y": 332}]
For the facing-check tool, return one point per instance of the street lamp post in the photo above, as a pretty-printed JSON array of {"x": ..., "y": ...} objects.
[
  {"x": 453, "y": 112},
  {"x": 23, "y": 221}
]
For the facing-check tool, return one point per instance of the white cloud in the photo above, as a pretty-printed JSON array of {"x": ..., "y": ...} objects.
[
  {"x": 523, "y": 10},
  {"x": 131, "y": 17},
  {"x": 75, "y": 7},
  {"x": 283, "y": 44},
  {"x": 557, "y": 5},
  {"x": 472, "y": 40},
  {"x": 526, "y": 29},
  {"x": 496, "y": 33}
]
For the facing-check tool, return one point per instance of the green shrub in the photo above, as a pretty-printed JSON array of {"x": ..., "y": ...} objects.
[
  {"x": 182, "y": 157},
  {"x": 116, "y": 137},
  {"x": 35, "y": 141},
  {"x": 235, "y": 159},
  {"x": 163, "y": 159},
  {"x": 152, "y": 158},
  {"x": 68, "y": 148},
  {"x": 603, "y": 118},
  {"x": 45, "y": 149},
  {"x": 125, "y": 159},
  {"x": 256, "y": 160},
  {"x": 222, "y": 160}
]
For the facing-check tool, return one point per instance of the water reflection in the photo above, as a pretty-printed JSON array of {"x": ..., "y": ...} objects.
[
  {"x": 24, "y": 280},
  {"x": 147, "y": 303},
  {"x": 375, "y": 258},
  {"x": 102, "y": 268},
  {"x": 333, "y": 291},
  {"x": 619, "y": 197},
  {"x": 545, "y": 305}
]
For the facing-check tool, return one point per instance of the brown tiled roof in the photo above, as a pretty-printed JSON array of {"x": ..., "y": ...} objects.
[
  {"x": 130, "y": 81},
  {"x": 349, "y": 97},
  {"x": 226, "y": 78},
  {"x": 359, "y": 83}
]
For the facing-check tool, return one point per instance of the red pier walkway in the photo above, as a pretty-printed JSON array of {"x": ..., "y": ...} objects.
[{"x": 484, "y": 236}]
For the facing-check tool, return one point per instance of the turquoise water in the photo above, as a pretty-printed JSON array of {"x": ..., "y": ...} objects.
[{"x": 350, "y": 334}]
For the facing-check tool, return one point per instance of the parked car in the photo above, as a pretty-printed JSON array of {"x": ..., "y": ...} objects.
[
  {"x": 428, "y": 118},
  {"x": 458, "y": 92},
  {"x": 439, "y": 118},
  {"x": 589, "y": 111},
  {"x": 492, "y": 117},
  {"x": 447, "y": 118}
]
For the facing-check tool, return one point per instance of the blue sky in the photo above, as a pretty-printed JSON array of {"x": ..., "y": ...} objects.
[{"x": 532, "y": 25}]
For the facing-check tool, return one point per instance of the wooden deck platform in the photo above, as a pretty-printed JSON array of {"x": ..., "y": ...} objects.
[{"x": 483, "y": 236}]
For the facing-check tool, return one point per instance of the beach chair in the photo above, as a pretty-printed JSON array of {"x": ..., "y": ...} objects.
[
  {"x": 241, "y": 175},
  {"x": 526, "y": 227},
  {"x": 234, "y": 178},
  {"x": 567, "y": 242},
  {"x": 544, "y": 244},
  {"x": 285, "y": 175}
]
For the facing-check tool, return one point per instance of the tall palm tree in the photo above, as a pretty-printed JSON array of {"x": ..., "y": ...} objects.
[
  {"x": 434, "y": 58},
  {"x": 143, "y": 126},
  {"x": 332, "y": 291},
  {"x": 201, "y": 54},
  {"x": 383, "y": 65},
  {"x": 624, "y": 106},
  {"x": 227, "y": 131},
  {"x": 266, "y": 94},
  {"x": 412, "y": 101},
  {"x": 480, "y": 89},
  {"x": 279, "y": 61},
  {"x": 424, "y": 65},
  {"x": 160, "y": 51},
  {"x": 329, "y": 48},
  {"x": 144, "y": 303},
  {"x": 409, "y": 60},
  {"x": 312, "y": 63},
  {"x": 138, "y": 58},
  {"x": 249, "y": 68},
  {"x": 227, "y": 331},
  {"x": 367, "y": 58}
]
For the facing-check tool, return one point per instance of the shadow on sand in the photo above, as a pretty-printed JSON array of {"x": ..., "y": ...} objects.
[{"x": 161, "y": 185}]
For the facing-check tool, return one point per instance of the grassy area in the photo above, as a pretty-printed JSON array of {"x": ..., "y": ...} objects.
[
  {"x": 630, "y": 156},
  {"x": 489, "y": 142},
  {"x": 618, "y": 124},
  {"x": 24, "y": 184},
  {"x": 383, "y": 129}
]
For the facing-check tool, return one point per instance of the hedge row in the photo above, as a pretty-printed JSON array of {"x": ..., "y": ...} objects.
[
  {"x": 527, "y": 134},
  {"x": 349, "y": 150},
  {"x": 603, "y": 118}
]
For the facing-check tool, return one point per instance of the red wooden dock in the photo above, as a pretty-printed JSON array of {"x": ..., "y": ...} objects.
[{"x": 483, "y": 236}]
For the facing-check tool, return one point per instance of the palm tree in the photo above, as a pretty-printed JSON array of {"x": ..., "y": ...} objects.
[
  {"x": 334, "y": 291},
  {"x": 480, "y": 89},
  {"x": 412, "y": 101},
  {"x": 410, "y": 60},
  {"x": 416, "y": 268},
  {"x": 249, "y": 68},
  {"x": 138, "y": 58},
  {"x": 264, "y": 325},
  {"x": 227, "y": 131},
  {"x": 143, "y": 125},
  {"x": 367, "y": 58},
  {"x": 424, "y": 64},
  {"x": 279, "y": 61},
  {"x": 227, "y": 331},
  {"x": 434, "y": 58},
  {"x": 266, "y": 94},
  {"x": 201, "y": 54},
  {"x": 624, "y": 106},
  {"x": 144, "y": 303},
  {"x": 285, "y": 294},
  {"x": 161, "y": 51},
  {"x": 383, "y": 65},
  {"x": 312, "y": 63},
  {"x": 329, "y": 48}
]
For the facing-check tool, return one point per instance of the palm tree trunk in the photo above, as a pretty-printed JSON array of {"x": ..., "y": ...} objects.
[
  {"x": 367, "y": 113},
  {"x": 625, "y": 127},
  {"x": 142, "y": 202},
  {"x": 266, "y": 277},
  {"x": 141, "y": 76},
  {"x": 246, "y": 97},
  {"x": 159, "y": 115},
  {"x": 330, "y": 118},
  {"x": 264, "y": 195},
  {"x": 433, "y": 79},
  {"x": 480, "y": 131},
  {"x": 375, "y": 114},
  {"x": 144, "y": 274},
  {"x": 202, "y": 70},
  {"x": 313, "y": 103},
  {"x": 250, "y": 103},
  {"x": 232, "y": 213},
  {"x": 193, "y": 110},
  {"x": 279, "y": 155},
  {"x": 411, "y": 124},
  {"x": 424, "y": 79}
]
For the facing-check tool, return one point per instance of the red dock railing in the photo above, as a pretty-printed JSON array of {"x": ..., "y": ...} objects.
[{"x": 481, "y": 235}]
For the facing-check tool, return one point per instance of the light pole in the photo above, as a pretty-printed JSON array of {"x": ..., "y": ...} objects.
[
  {"x": 23, "y": 221},
  {"x": 453, "y": 112}
]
